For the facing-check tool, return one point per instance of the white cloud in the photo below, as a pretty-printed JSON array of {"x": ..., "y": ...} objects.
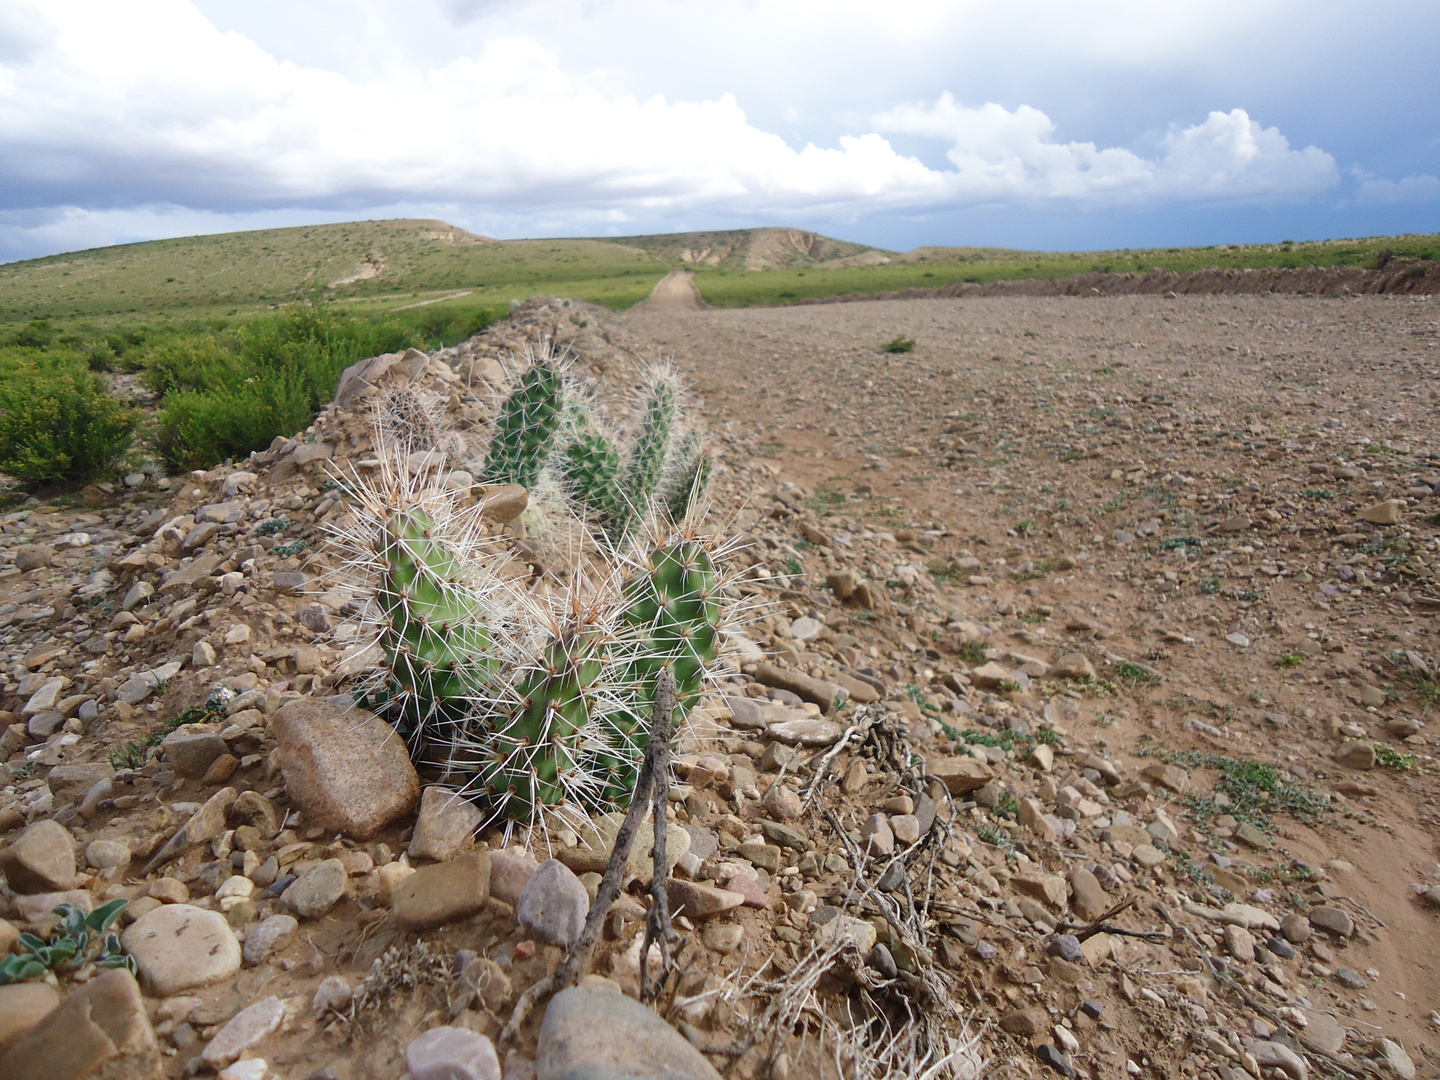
[
  {"x": 1411, "y": 189},
  {"x": 112, "y": 115},
  {"x": 1013, "y": 156}
]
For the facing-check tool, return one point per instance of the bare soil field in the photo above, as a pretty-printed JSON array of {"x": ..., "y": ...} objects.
[{"x": 1203, "y": 466}]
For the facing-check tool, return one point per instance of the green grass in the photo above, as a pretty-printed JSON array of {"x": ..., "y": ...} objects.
[
  {"x": 1289, "y": 660},
  {"x": 899, "y": 345}
]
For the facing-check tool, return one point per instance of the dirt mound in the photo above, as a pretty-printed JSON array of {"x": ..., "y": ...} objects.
[{"x": 1410, "y": 277}]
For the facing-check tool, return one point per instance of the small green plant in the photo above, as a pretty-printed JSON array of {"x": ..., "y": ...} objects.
[
  {"x": 1038, "y": 571},
  {"x": 79, "y": 939},
  {"x": 793, "y": 567},
  {"x": 1180, "y": 543},
  {"x": 948, "y": 573},
  {"x": 129, "y": 756},
  {"x": 1256, "y": 792},
  {"x": 995, "y": 838},
  {"x": 1387, "y": 758},
  {"x": 1008, "y": 804},
  {"x": 972, "y": 653},
  {"x": 295, "y": 547},
  {"x": 1289, "y": 660},
  {"x": 1007, "y": 686},
  {"x": 1025, "y": 528},
  {"x": 273, "y": 527},
  {"x": 899, "y": 345},
  {"x": 1135, "y": 673}
]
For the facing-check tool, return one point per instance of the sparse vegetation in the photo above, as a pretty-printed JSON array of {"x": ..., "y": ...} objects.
[
  {"x": 1289, "y": 660},
  {"x": 899, "y": 345}
]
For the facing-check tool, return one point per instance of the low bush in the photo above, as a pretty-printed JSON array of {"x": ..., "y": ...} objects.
[{"x": 57, "y": 422}]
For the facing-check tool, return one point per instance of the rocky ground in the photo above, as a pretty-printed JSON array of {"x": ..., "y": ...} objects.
[{"x": 1084, "y": 604}]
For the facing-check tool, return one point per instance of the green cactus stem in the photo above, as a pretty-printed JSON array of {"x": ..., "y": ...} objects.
[
  {"x": 434, "y": 631},
  {"x": 532, "y": 758},
  {"x": 672, "y": 617},
  {"x": 592, "y": 474},
  {"x": 692, "y": 476},
  {"x": 525, "y": 432},
  {"x": 646, "y": 464}
]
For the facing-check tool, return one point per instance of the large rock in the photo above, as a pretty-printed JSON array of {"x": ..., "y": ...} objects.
[
  {"x": 100, "y": 1032},
  {"x": 22, "y": 1006},
  {"x": 438, "y": 894},
  {"x": 42, "y": 859},
  {"x": 1089, "y": 899},
  {"x": 553, "y": 905},
  {"x": 178, "y": 947},
  {"x": 959, "y": 775},
  {"x": 346, "y": 768},
  {"x": 601, "y": 1034},
  {"x": 798, "y": 683},
  {"x": 446, "y": 826},
  {"x": 452, "y": 1053}
]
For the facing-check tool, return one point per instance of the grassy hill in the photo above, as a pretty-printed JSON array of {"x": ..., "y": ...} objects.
[{"x": 384, "y": 266}]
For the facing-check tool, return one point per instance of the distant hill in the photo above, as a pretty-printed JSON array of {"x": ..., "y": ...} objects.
[
  {"x": 390, "y": 265},
  {"x": 389, "y": 260}
]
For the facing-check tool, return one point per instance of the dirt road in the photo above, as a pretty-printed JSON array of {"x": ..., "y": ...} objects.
[{"x": 676, "y": 291}]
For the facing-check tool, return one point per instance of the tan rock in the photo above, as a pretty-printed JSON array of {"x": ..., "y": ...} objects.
[
  {"x": 178, "y": 947},
  {"x": 100, "y": 1032},
  {"x": 346, "y": 769},
  {"x": 959, "y": 775},
  {"x": 1073, "y": 666},
  {"x": 22, "y": 1006},
  {"x": 1171, "y": 777},
  {"x": 1049, "y": 888},
  {"x": 42, "y": 859},
  {"x": 1385, "y": 512},
  {"x": 700, "y": 901},
  {"x": 442, "y": 893},
  {"x": 446, "y": 825}
]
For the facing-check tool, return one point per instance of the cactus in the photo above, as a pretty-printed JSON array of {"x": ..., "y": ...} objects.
[
  {"x": 685, "y": 487},
  {"x": 525, "y": 432},
  {"x": 534, "y": 752},
  {"x": 434, "y": 627},
  {"x": 538, "y": 700},
  {"x": 646, "y": 464},
  {"x": 592, "y": 474}
]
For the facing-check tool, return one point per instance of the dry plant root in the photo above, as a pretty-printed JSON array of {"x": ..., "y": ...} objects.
[{"x": 577, "y": 958}]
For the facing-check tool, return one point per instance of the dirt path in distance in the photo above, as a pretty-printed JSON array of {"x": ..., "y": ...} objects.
[{"x": 676, "y": 291}]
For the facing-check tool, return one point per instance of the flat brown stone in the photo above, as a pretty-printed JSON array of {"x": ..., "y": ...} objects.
[
  {"x": 959, "y": 775},
  {"x": 440, "y": 894}
]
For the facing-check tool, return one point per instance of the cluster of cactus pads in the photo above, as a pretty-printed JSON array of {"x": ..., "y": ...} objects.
[{"x": 537, "y": 699}]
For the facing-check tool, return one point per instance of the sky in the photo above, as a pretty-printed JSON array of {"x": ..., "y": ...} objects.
[{"x": 1054, "y": 125}]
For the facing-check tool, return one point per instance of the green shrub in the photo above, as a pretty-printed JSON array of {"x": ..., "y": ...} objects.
[
  {"x": 899, "y": 345},
  {"x": 56, "y": 420},
  {"x": 230, "y": 394}
]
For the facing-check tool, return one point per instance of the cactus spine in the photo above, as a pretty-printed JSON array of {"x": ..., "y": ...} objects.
[{"x": 525, "y": 433}]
